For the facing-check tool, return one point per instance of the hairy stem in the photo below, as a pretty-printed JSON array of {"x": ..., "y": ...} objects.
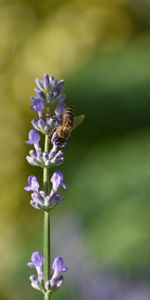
[{"x": 46, "y": 232}]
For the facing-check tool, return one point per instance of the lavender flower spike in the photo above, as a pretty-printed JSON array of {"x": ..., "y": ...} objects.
[
  {"x": 57, "y": 181},
  {"x": 49, "y": 104},
  {"x": 33, "y": 184}
]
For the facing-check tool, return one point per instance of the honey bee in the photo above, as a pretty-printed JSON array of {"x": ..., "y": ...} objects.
[{"x": 68, "y": 123}]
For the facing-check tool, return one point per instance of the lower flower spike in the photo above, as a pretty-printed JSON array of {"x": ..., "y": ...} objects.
[{"x": 55, "y": 281}]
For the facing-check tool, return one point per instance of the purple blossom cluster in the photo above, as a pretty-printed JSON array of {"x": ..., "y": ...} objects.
[
  {"x": 40, "y": 158},
  {"x": 56, "y": 280},
  {"x": 48, "y": 97},
  {"x": 48, "y": 91},
  {"x": 38, "y": 198},
  {"x": 49, "y": 106}
]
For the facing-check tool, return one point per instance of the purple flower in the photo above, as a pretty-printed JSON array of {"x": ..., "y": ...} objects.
[
  {"x": 57, "y": 181},
  {"x": 34, "y": 122},
  {"x": 59, "y": 110},
  {"x": 53, "y": 152},
  {"x": 42, "y": 122},
  {"x": 53, "y": 82},
  {"x": 60, "y": 281},
  {"x": 51, "y": 285},
  {"x": 58, "y": 158},
  {"x": 41, "y": 201},
  {"x": 40, "y": 94},
  {"x": 58, "y": 265},
  {"x": 38, "y": 200},
  {"x": 57, "y": 92},
  {"x": 38, "y": 104},
  {"x": 33, "y": 184},
  {"x": 45, "y": 124},
  {"x": 52, "y": 201},
  {"x": 34, "y": 138},
  {"x": 60, "y": 83},
  {"x": 59, "y": 98},
  {"x": 46, "y": 81},
  {"x": 35, "y": 283},
  {"x": 58, "y": 268},
  {"x": 48, "y": 91},
  {"x": 37, "y": 261},
  {"x": 56, "y": 280},
  {"x": 42, "y": 159},
  {"x": 39, "y": 84}
]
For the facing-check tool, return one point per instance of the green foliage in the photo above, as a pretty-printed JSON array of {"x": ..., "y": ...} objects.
[{"x": 112, "y": 199}]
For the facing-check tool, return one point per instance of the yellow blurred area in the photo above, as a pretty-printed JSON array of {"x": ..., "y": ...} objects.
[{"x": 61, "y": 42}]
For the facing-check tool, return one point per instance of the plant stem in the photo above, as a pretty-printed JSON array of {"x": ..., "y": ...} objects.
[{"x": 46, "y": 232}]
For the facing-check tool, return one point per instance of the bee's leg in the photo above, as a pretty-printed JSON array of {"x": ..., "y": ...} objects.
[
  {"x": 46, "y": 115},
  {"x": 56, "y": 119},
  {"x": 51, "y": 134}
]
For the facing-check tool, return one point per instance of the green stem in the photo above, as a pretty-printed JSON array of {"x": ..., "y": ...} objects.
[{"x": 46, "y": 232}]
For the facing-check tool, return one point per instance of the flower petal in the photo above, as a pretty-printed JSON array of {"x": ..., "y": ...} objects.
[
  {"x": 34, "y": 137},
  {"x": 38, "y": 104},
  {"x": 57, "y": 181},
  {"x": 37, "y": 259},
  {"x": 33, "y": 184},
  {"x": 58, "y": 265}
]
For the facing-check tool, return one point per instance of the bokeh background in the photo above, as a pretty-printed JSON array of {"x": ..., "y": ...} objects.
[{"x": 102, "y": 50}]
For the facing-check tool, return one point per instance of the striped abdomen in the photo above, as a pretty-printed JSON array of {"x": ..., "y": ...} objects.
[{"x": 68, "y": 117}]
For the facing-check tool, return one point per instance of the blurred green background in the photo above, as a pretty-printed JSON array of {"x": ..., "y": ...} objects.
[{"x": 102, "y": 50}]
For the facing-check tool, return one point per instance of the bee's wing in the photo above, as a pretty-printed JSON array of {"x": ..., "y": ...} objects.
[{"x": 77, "y": 121}]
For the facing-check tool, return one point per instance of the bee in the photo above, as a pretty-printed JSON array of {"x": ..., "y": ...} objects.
[{"x": 68, "y": 123}]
